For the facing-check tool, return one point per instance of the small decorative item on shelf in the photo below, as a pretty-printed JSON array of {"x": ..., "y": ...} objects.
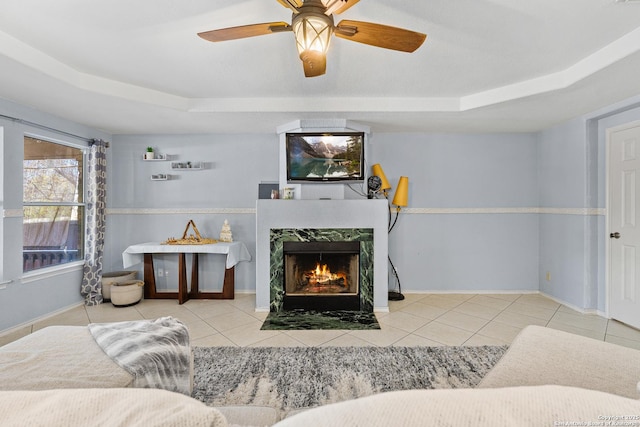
[
  {"x": 149, "y": 154},
  {"x": 191, "y": 239},
  {"x": 225, "y": 233},
  {"x": 288, "y": 193}
]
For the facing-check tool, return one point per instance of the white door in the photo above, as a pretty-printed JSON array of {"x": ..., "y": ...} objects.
[{"x": 624, "y": 224}]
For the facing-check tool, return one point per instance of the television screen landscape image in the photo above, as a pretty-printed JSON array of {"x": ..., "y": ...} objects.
[{"x": 324, "y": 157}]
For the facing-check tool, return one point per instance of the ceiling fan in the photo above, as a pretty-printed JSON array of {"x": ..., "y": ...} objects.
[{"x": 312, "y": 25}]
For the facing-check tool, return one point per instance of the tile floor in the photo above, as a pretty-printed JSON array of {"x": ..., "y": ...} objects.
[{"x": 419, "y": 320}]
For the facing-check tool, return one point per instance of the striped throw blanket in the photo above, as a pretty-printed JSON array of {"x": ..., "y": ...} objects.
[{"x": 156, "y": 352}]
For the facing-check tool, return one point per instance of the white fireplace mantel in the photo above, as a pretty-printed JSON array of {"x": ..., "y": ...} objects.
[{"x": 363, "y": 213}]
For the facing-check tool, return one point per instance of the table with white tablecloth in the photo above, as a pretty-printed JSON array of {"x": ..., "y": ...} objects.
[{"x": 143, "y": 252}]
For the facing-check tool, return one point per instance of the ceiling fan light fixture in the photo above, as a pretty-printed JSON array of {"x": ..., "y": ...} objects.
[{"x": 312, "y": 32}]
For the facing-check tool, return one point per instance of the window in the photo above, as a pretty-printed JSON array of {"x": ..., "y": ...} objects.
[{"x": 53, "y": 204}]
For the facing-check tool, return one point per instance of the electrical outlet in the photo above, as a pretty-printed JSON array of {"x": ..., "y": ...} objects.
[
  {"x": 548, "y": 276},
  {"x": 160, "y": 272}
]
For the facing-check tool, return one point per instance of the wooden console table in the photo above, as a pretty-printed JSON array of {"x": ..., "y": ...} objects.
[{"x": 235, "y": 252}]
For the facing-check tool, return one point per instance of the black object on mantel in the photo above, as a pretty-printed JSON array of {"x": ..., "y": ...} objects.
[{"x": 265, "y": 189}]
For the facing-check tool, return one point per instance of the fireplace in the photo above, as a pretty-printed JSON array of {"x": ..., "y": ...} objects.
[
  {"x": 321, "y": 275},
  {"x": 361, "y": 256},
  {"x": 364, "y": 221}
]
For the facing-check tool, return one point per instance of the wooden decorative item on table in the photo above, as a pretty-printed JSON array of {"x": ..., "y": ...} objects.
[{"x": 192, "y": 239}]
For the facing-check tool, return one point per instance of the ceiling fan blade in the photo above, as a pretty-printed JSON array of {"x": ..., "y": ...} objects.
[
  {"x": 380, "y": 35},
  {"x": 338, "y": 6},
  {"x": 244, "y": 31},
  {"x": 291, "y": 4}
]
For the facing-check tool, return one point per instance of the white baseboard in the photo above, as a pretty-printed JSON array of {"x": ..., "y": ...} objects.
[
  {"x": 469, "y": 291},
  {"x": 573, "y": 307},
  {"x": 32, "y": 322},
  {"x": 523, "y": 292}
]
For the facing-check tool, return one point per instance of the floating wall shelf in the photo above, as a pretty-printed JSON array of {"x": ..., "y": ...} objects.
[
  {"x": 157, "y": 158},
  {"x": 187, "y": 166},
  {"x": 160, "y": 177},
  {"x": 175, "y": 166}
]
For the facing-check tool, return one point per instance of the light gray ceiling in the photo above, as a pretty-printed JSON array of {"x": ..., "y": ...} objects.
[{"x": 487, "y": 65}]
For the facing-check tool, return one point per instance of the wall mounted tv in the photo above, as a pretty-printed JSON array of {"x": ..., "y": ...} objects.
[{"x": 325, "y": 157}]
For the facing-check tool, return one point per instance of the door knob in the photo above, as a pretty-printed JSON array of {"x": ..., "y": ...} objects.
[{"x": 615, "y": 235}]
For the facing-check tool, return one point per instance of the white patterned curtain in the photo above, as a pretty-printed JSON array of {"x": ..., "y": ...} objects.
[{"x": 95, "y": 205}]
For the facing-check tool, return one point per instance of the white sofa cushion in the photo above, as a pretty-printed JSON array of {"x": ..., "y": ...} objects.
[
  {"x": 540, "y": 355},
  {"x": 517, "y": 406},
  {"x": 58, "y": 357},
  {"x": 113, "y": 407}
]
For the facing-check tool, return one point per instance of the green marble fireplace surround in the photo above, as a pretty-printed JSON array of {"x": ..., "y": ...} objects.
[
  {"x": 280, "y": 235},
  {"x": 360, "y": 220}
]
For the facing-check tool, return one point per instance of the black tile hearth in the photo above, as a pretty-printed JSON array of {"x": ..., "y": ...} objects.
[{"x": 308, "y": 319}]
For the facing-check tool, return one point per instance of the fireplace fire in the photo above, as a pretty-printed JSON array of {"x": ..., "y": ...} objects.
[
  {"x": 323, "y": 280},
  {"x": 322, "y": 275}
]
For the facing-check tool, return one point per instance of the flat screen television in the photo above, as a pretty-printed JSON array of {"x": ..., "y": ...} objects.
[{"x": 325, "y": 157}]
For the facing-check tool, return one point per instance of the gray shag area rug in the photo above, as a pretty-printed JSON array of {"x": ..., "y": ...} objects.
[{"x": 300, "y": 377}]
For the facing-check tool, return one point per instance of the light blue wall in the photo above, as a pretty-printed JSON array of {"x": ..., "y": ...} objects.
[
  {"x": 24, "y": 300},
  {"x": 235, "y": 164},
  {"x": 464, "y": 251},
  {"x": 226, "y": 189},
  {"x": 461, "y": 170},
  {"x": 562, "y": 165},
  {"x": 572, "y": 162}
]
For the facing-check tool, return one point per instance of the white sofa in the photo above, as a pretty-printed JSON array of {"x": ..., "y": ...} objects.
[{"x": 546, "y": 377}]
